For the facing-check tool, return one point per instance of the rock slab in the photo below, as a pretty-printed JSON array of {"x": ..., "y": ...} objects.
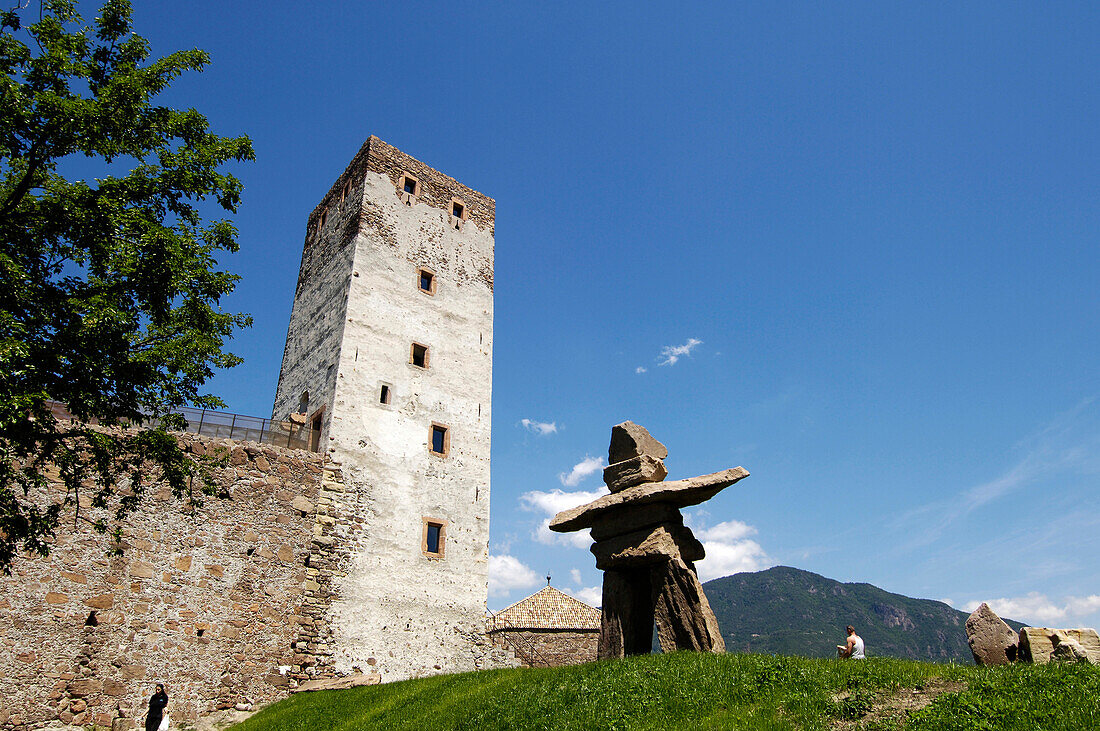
[{"x": 991, "y": 640}]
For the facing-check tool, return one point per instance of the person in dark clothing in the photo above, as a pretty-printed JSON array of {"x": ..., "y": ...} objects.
[{"x": 156, "y": 709}]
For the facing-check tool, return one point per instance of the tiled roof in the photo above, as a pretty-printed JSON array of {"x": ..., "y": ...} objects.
[{"x": 548, "y": 609}]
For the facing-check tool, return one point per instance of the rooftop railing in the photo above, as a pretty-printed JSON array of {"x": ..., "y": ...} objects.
[{"x": 290, "y": 433}]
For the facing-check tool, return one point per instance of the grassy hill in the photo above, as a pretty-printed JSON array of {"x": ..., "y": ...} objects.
[
  {"x": 700, "y": 691},
  {"x": 787, "y": 611}
]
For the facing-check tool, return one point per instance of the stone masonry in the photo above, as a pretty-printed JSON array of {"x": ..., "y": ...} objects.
[{"x": 225, "y": 604}]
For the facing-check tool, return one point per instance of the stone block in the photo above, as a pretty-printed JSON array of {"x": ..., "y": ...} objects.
[
  {"x": 182, "y": 563},
  {"x": 648, "y": 546},
  {"x": 302, "y": 504},
  {"x": 629, "y": 440},
  {"x": 83, "y": 688},
  {"x": 141, "y": 570},
  {"x": 132, "y": 672},
  {"x": 101, "y": 601},
  {"x": 635, "y": 471},
  {"x": 991, "y": 641},
  {"x": 54, "y": 597}
]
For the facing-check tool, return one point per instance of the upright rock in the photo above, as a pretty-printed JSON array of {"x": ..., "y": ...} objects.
[{"x": 991, "y": 640}]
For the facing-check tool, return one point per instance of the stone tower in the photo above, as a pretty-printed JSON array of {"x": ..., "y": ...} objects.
[{"x": 389, "y": 355}]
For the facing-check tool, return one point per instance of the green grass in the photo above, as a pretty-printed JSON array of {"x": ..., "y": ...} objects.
[{"x": 701, "y": 691}]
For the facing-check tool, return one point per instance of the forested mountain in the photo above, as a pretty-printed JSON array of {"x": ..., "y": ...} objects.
[{"x": 787, "y": 611}]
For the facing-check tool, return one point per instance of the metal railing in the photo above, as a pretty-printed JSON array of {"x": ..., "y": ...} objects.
[
  {"x": 292, "y": 432},
  {"x": 510, "y": 636}
]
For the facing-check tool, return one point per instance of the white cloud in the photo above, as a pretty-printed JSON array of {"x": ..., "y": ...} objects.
[
  {"x": 1069, "y": 446},
  {"x": 673, "y": 353},
  {"x": 581, "y": 470},
  {"x": 640, "y": 369},
  {"x": 542, "y": 428},
  {"x": 575, "y": 575},
  {"x": 730, "y": 550},
  {"x": 1039, "y": 608},
  {"x": 507, "y": 573},
  {"x": 552, "y": 502},
  {"x": 591, "y": 595}
]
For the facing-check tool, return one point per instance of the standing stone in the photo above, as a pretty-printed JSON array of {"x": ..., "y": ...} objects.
[
  {"x": 991, "y": 640},
  {"x": 683, "y": 615},
  {"x": 626, "y": 627}
]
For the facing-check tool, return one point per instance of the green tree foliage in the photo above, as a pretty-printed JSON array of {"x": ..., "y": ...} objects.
[{"x": 109, "y": 289}]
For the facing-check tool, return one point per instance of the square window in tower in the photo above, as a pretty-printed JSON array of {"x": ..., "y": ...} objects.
[
  {"x": 425, "y": 280},
  {"x": 410, "y": 185},
  {"x": 441, "y": 440},
  {"x": 419, "y": 355},
  {"x": 384, "y": 396},
  {"x": 434, "y": 537}
]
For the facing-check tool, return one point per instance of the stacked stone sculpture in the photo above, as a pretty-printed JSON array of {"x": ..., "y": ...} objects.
[{"x": 646, "y": 552}]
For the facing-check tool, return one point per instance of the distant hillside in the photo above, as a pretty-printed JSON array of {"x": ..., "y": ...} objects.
[{"x": 787, "y": 611}]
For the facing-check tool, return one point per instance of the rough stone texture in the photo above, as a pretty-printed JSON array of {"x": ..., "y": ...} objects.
[
  {"x": 240, "y": 634},
  {"x": 991, "y": 640},
  {"x": 648, "y": 546},
  {"x": 682, "y": 613},
  {"x": 679, "y": 493},
  {"x": 1068, "y": 650},
  {"x": 551, "y": 647},
  {"x": 349, "y": 681},
  {"x": 356, "y": 314},
  {"x": 627, "y": 626},
  {"x": 631, "y": 472},
  {"x": 629, "y": 440},
  {"x": 632, "y": 518},
  {"x": 1038, "y": 643}
]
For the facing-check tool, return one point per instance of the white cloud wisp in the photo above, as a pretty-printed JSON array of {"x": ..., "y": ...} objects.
[
  {"x": 542, "y": 428},
  {"x": 552, "y": 502},
  {"x": 1037, "y": 607},
  {"x": 581, "y": 470},
  {"x": 730, "y": 550},
  {"x": 671, "y": 354},
  {"x": 507, "y": 573}
]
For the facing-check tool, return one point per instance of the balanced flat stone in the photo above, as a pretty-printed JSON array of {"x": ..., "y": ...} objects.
[
  {"x": 991, "y": 640},
  {"x": 630, "y": 440},
  {"x": 634, "y": 471},
  {"x": 659, "y": 544},
  {"x": 680, "y": 493}
]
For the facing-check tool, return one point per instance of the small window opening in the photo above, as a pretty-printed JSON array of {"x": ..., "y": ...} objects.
[
  {"x": 409, "y": 185},
  {"x": 441, "y": 440},
  {"x": 251, "y": 551},
  {"x": 384, "y": 396},
  {"x": 425, "y": 281},
  {"x": 457, "y": 209},
  {"x": 307, "y": 561},
  {"x": 433, "y": 537},
  {"x": 324, "y": 217},
  {"x": 199, "y": 633},
  {"x": 315, "y": 434},
  {"x": 419, "y": 355},
  {"x": 92, "y": 620},
  {"x": 303, "y": 403}
]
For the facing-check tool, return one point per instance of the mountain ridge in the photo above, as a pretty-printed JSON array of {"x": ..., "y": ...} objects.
[{"x": 789, "y": 611}]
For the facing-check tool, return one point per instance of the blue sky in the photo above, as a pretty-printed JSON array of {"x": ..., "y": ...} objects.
[{"x": 865, "y": 232}]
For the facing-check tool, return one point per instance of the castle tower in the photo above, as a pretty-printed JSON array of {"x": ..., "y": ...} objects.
[{"x": 389, "y": 354}]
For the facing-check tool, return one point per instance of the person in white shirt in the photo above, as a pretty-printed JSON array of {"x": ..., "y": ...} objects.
[{"x": 854, "y": 648}]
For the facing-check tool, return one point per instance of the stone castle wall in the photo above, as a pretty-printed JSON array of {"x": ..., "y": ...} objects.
[{"x": 226, "y": 604}]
